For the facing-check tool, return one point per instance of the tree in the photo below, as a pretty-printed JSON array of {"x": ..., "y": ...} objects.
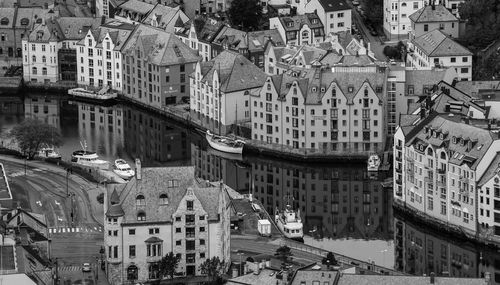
[
  {"x": 329, "y": 260},
  {"x": 213, "y": 268},
  {"x": 374, "y": 12},
  {"x": 245, "y": 14},
  {"x": 392, "y": 52},
  {"x": 31, "y": 135},
  {"x": 283, "y": 253},
  {"x": 168, "y": 265},
  {"x": 100, "y": 198}
]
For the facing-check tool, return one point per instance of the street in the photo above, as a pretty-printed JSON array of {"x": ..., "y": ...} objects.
[{"x": 75, "y": 230}]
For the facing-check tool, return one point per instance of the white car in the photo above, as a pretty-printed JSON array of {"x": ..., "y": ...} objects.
[{"x": 86, "y": 267}]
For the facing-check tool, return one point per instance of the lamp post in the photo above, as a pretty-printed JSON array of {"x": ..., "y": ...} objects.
[{"x": 241, "y": 270}]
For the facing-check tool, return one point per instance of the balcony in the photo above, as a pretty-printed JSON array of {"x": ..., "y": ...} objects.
[
  {"x": 399, "y": 147},
  {"x": 398, "y": 169},
  {"x": 398, "y": 181},
  {"x": 399, "y": 158},
  {"x": 464, "y": 179}
]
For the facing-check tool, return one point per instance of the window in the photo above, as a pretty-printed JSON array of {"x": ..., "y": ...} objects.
[
  {"x": 178, "y": 242},
  {"x": 33, "y": 70},
  {"x": 153, "y": 249},
  {"x": 453, "y": 59},
  {"x": 141, "y": 216},
  {"x": 202, "y": 229},
  {"x": 154, "y": 231},
  {"x": 132, "y": 272},
  {"x": 415, "y": 5},
  {"x": 441, "y": 26},
  {"x": 131, "y": 232},
  {"x": 190, "y": 219},
  {"x": 140, "y": 200},
  {"x": 33, "y": 58},
  {"x": 178, "y": 230},
  {"x": 464, "y": 70},
  {"x": 465, "y": 59},
  {"x": 202, "y": 242},
  {"x": 426, "y": 27},
  {"x": 189, "y": 205},
  {"x": 131, "y": 251},
  {"x": 164, "y": 199},
  {"x": 202, "y": 218}
]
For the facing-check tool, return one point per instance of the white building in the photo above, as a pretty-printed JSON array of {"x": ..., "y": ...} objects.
[
  {"x": 433, "y": 17},
  {"x": 164, "y": 210},
  {"x": 435, "y": 49},
  {"x": 334, "y": 14},
  {"x": 99, "y": 55},
  {"x": 198, "y": 35},
  {"x": 299, "y": 29},
  {"x": 220, "y": 91},
  {"x": 396, "y": 19},
  {"x": 336, "y": 111}
]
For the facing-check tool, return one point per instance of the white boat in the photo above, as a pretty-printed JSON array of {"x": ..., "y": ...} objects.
[
  {"x": 122, "y": 169},
  {"x": 103, "y": 94},
  {"x": 48, "y": 152},
  {"x": 373, "y": 162},
  {"x": 225, "y": 144},
  {"x": 89, "y": 158},
  {"x": 290, "y": 223}
]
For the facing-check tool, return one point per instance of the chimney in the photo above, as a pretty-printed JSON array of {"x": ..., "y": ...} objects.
[
  {"x": 138, "y": 169},
  {"x": 432, "y": 278},
  {"x": 234, "y": 272}
]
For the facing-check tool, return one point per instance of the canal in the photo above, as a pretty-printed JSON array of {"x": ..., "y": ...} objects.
[{"x": 344, "y": 209}]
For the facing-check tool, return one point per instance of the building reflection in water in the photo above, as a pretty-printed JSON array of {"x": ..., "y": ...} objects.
[
  {"x": 418, "y": 252},
  {"x": 44, "y": 108}
]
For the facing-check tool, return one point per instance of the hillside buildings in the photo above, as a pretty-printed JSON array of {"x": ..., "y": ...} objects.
[
  {"x": 299, "y": 29},
  {"x": 433, "y": 17},
  {"x": 164, "y": 210},
  {"x": 220, "y": 91},
  {"x": 396, "y": 18},
  {"x": 335, "y": 15},
  {"x": 436, "y": 49}
]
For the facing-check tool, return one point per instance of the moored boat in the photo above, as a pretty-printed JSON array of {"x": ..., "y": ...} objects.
[
  {"x": 289, "y": 223},
  {"x": 48, "y": 152},
  {"x": 89, "y": 158},
  {"x": 123, "y": 169},
  {"x": 103, "y": 94},
  {"x": 373, "y": 162},
  {"x": 225, "y": 144}
]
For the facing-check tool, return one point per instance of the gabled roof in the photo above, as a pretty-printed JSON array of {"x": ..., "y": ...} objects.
[
  {"x": 119, "y": 33},
  {"x": 160, "y": 47},
  {"x": 436, "y": 43},
  {"x": 206, "y": 28},
  {"x": 257, "y": 40},
  {"x": 7, "y": 18},
  {"x": 137, "y": 6},
  {"x": 295, "y": 23},
  {"x": 334, "y": 5},
  {"x": 233, "y": 38},
  {"x": 492, "y": 170},
  {"x": 430, "y": 13},
  {"x": 47, "y": 31},
  {"x": 166, "y": 17},
  {"x": 75, "y": 28},
  {"x": 235, "y": 72}
]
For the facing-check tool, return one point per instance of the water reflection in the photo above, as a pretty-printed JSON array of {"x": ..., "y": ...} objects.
[{"x": 343, "y": 208}]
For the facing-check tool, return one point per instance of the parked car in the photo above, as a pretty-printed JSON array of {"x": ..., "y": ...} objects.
[
  {"x": 373, "y": 32},
  {"x": 355, "y": 3},
  {"x": 86, "y": 267}
]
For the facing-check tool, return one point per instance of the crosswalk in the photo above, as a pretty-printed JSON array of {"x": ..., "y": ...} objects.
[
  {"x": 70, "y": 268},
  {"x": 81, "y": 229}
]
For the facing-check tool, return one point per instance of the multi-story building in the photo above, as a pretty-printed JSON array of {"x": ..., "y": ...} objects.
[
  {"x": 433, "y": 17},
  {"x": 258, "y": 41},
  {"x": 164, "y": 210},
  {"x": 7, "y": 34},
  {"x": 334, "y": 14},
  {"x": 396, "y": 19},
  {"x": 439, "y": 157},
  {"x": 99, "y": 55},
  {"x": 166, "y": 18},
  {"x": 156, "y": 67},
  {"x": 337, "y": 111},
  {"x": 199, "y": 34},
  {"x": 299, "y": 29},
  {"x": 344, "y": 43},
  {"x": 220, "y": 91},
  {"x": 49, "y": 52},
  {"x": 279, "y": 59},
  {"x": 436, "y": 49},
  {"x": 133, "y": 11}
]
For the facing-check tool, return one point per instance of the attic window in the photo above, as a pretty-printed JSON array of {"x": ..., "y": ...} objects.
[
  {"x": 479, "y": 147},
  {"x": 4, "y": 21},
  {"x": 441, "y": 136},
  {"x": 313, "y": 89},
  {"x": 140, "y": 200},
  {"x": 314, "y": 21},
  {"x": 289, "y": 24},
  {"x": 141, "y": 216},
  {"x": 366, "y": 92},
  {"x": 25, "y": 21},
  {"x": 323, "y": 89},
  {"x": 426, "y": 130},
  {"x": 334, "y": 91},
  {"x": 378, "y": 89},
  {"x": 455, "y": 155},
  {"x": 454, "y": 139},
  {"x": 350, "y": 89},
  {"x": 164, "y": 199},
  {"x": 435, "y": 134}
]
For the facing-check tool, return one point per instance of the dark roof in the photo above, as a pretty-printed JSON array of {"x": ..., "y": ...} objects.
[
  {"x": 428, "y": 14},
  {"x": 491, "y": 171},
  {"x": 436, "y": 43},
  {"x": 235, "y": 72},
  {"x": 295, "y": 23},
  {"x": 153, "y": 239},
  {"x": 115, "y": 211},
  {"x": 74, "y": 28},
  {"x": 334, "y": 5}
]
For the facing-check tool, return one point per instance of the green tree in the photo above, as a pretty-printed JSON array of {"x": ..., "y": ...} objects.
[
  {"x": 213, "y": 268},
  {"x": 374, "y": 11},
  {"x": 31, "y": 135},
  {"x": 483, "y": 23},
  {"x": 283, "y": 253},
  {"x": 329, "y": 260},
  {"x": 245, "y": 14},
  {"x": 168, "y": 265}
]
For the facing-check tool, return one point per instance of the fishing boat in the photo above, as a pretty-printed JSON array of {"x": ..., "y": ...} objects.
[
  {"x": 123, "y": 169},
  {"x": 289, "y": 223},
  {"x": 48, "y": 152},
  {"x": 88, "y": 158},
  {"x": 225, "y": 144},
  {"x": 373, "y": 162}
]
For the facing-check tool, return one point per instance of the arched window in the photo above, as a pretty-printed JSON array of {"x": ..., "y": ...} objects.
[
  {"x": 132, "y": 272},
  {"x": 429, "y": 151},
  {"x": 140, "y": 200},
  {"x": 33, "y": 58},
  {"x": 25, "y": 21},
  {"x": 443, "y": 155},
  {"x": 44, "y": 71},
  {"x": 4, "y": 21},
  {"x": 164, "y": 199},
  {"x": 33, "y": 70},
  {"x": 366, "y": 92},
  {"x": 44, "y": 59},
  {"x": 141, "y": 216},
  {"x": 305, "y": 34}
]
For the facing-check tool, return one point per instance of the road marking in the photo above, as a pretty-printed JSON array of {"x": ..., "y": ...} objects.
[{"x": 63, "y": 230}]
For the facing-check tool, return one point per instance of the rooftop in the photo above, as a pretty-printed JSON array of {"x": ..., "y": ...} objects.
[
  {"x": 334, "y": 5},
  {"x": 137, "y": 6},
  {"x": 317, "y": 275},
  {"x": 75, "y": 28},
  {"x": 436, "y": 43},
  {"x": 295, "y": 23},
  {"x": 165, "y": 17},
  {"x": 348, "y": 279},
  {"x": 432, "y": 13}
]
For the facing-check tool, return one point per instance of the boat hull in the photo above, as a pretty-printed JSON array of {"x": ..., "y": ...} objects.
[
  {"x": 294, "y": 236},
  {"x": 221, "y": 147},
  {"x": 124, "y": 174}
]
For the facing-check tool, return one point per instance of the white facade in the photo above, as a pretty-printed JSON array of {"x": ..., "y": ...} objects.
[
  {"x": 40, "y": 63},
  {"x": 333, "y": 21},
  {"x": 99, "y": 63},
  {"x": 396, "y": 19},
  {"x": 204, "y": 49}
]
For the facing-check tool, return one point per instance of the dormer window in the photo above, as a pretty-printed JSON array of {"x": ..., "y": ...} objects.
[
  {"x": 322, "y": 89},
  {"x": 334, "y": 91},
  {"x": 366, "y": 92},
  {"x": 435, "y": 135},
  {"x": 164, "y": 199},
  {"x": 289, "y": 24},
  {"x": 141, "y": 216},
  {"x": 313, "y": 89},
  {"x": 426, "y": 130},
  {"x": 441, "y": 136},
  {"x": 454, "y": 139},
  {"x": 314, "y": 21},
  {"x": 350, "y": 89},
  {"x": 140, "y": 200}
]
